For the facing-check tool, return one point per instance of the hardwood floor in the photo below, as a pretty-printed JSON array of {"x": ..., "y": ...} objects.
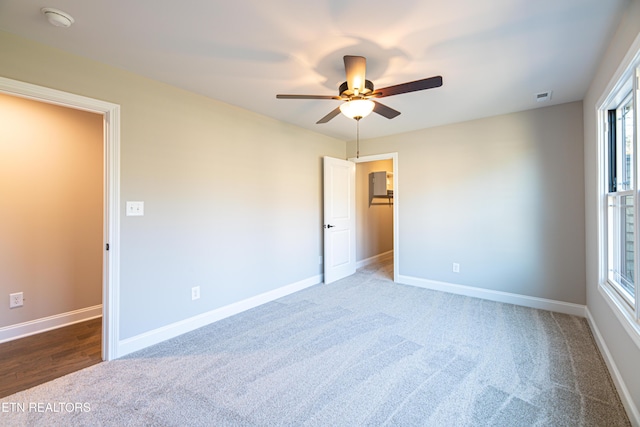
[{"x": 36, "y": 359}]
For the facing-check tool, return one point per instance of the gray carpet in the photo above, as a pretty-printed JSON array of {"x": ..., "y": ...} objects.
[{"x": 363, "y": 351}]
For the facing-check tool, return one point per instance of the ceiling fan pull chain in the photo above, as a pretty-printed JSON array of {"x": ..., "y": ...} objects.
[{"x": 357, "y": 138}]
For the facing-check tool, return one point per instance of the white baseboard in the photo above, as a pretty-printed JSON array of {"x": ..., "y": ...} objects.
[
  {"x": 21, "y": 330},
  {"x": 375, "y": 258},
  {"x": 499, "y": 296},
  {"x": 164, "y": 333},
  {"x": 623, "y": 391}
]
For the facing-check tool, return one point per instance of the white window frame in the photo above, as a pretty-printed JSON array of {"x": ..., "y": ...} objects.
[
  {"x": 625, "y": 80},
  {"x": 622, "y": 97}
]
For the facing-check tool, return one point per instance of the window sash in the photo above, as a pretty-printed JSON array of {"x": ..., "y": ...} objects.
[{"x": 621, "y": 244}]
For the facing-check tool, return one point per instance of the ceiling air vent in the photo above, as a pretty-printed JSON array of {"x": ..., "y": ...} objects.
[{"x": 543, "y": 96}]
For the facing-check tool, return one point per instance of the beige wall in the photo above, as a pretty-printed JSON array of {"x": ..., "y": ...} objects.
[
  {"x": 502, "y": 196},
  {"x": 233, "y": 199},
  {"x": 50, "y": 208},
  {"x": 374, "y": 223}
]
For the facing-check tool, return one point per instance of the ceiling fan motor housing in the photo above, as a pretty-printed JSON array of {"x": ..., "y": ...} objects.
[{"x": 346, "y": 93}]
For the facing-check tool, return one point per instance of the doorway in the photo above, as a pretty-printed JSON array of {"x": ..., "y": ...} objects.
[
  {"x": 385, "y": 212},
  {"x": 110, "y": 114}
]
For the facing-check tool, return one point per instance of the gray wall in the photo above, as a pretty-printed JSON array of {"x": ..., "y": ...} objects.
[
  {"x": 624, "y": 351},
  {"x": 233, "y": 199},
  {"x": 502, "y": 196}
]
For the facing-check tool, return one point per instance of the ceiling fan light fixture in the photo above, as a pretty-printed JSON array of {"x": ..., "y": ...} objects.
[{"x": 358, "y": 108}]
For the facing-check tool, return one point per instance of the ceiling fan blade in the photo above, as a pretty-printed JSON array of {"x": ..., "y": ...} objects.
[
  {"x": 385, "y": 111},
  {"x": 355, "y": 67},
  {"x": 428, "y": 83},
  {"x": 307, "y": 97},
  {"x": 329, "y": 116}
]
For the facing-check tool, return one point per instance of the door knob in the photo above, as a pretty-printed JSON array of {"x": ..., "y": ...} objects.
[{"x": 329, "y": 226}]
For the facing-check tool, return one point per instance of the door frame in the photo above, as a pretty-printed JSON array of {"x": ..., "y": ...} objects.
[
  {"x": 111, "y": 194},
  {"x": 396, "y": 203}
]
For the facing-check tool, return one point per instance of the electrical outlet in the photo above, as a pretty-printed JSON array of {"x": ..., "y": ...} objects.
[
  {"x": 456, "y": 267},
  {"x": 16, "y": 300},
  {"x": 195, "y": 293}
]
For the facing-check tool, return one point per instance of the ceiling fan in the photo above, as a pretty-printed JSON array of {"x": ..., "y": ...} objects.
[{"x": 357, "y": 92}]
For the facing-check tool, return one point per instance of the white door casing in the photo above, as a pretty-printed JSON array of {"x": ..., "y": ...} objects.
[{"x": 339, "y": 219}]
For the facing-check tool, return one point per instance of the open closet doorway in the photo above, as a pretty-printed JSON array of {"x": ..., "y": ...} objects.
[
  {"x": 110, "y": 241},
  {"x": 377, "y": 213},
  {"x": 51, "y": 253}
]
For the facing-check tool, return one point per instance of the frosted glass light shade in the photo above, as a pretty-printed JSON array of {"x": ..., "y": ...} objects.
[{"x": 357, "y": 108}]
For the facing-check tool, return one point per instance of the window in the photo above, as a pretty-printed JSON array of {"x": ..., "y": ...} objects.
[
  {"x": 621, "y": 234},
  {"x": 620, "y": 243}
]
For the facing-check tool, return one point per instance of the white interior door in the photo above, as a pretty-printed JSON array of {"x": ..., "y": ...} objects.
[{"x": 339, "y": 219}]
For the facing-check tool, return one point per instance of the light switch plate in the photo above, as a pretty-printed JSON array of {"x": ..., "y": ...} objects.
[{"x": 135, "y": 208}]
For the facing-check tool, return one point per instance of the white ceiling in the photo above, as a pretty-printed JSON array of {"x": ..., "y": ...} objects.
[{"x": 494, "y": 55}]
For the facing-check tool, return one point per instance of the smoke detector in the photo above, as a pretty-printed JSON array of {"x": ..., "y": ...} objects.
[
  {"x": 543, "y": 96},
  {"x": 57, "y": 17}
]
